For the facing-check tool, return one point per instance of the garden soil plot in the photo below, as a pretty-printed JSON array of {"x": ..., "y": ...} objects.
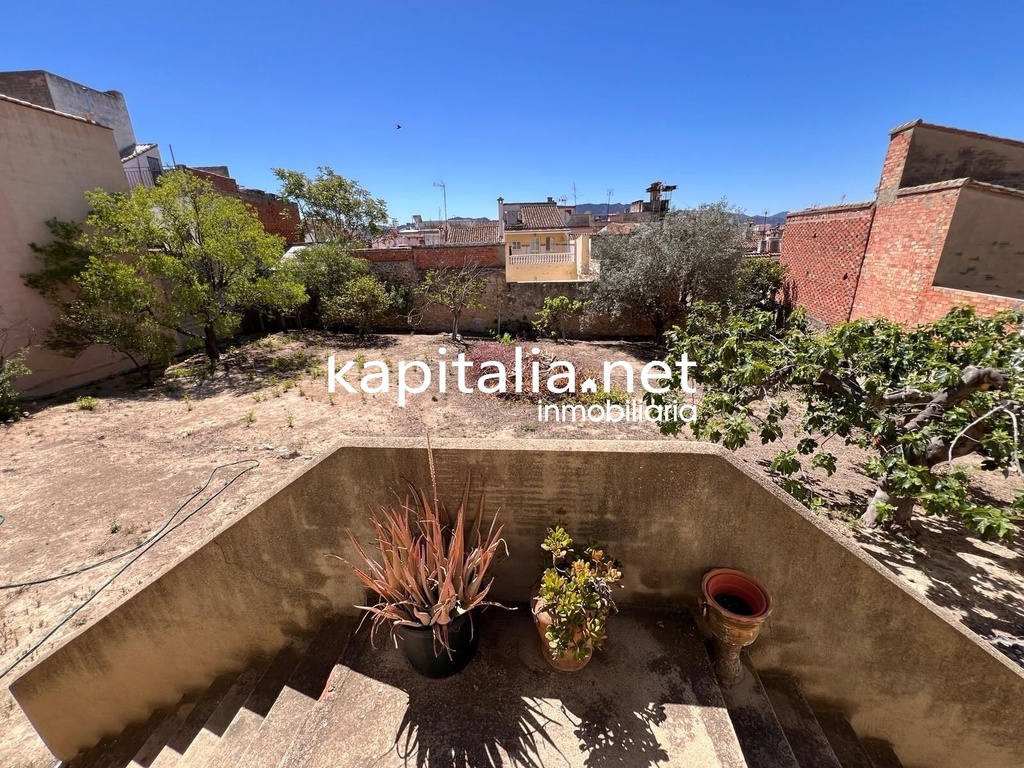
[{"x": 80, "y": 485}]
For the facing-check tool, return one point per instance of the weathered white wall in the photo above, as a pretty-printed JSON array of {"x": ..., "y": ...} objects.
[{"x": 47, "y": 162}]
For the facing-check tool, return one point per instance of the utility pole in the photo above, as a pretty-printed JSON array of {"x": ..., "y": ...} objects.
[
  {"x": 444, "y": 195},
  {"x": 607, "y": 208}
]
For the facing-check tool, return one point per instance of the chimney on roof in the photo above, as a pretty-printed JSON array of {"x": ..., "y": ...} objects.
[
  {"x": 501, "y": 219},
  {"x": 551, "y": 199}
]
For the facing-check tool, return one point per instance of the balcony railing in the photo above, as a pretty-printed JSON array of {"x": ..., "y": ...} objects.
[
  {"x": 145, "y": 176},
  {"x": 561, "y": 256}
]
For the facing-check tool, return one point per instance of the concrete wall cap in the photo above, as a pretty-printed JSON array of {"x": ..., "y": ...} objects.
[
  {"x": 831, "y": 208},
  {"x": 51, "y": 111}
]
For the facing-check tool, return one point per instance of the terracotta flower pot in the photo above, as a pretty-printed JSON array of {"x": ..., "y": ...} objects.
[
  {"x": 542, "y": 620},
  {"x": 735, "y": 606}
]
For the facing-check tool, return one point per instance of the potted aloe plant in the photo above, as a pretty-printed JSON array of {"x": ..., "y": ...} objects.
[
  {"x": 572, "y": 601},
  {"x": 430, "y": 575}
]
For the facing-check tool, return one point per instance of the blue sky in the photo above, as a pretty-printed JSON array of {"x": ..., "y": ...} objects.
[{"x": 771, "y": 105}]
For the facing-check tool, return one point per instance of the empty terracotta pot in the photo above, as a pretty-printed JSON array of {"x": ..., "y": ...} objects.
[{"x": 735, "y": 606}]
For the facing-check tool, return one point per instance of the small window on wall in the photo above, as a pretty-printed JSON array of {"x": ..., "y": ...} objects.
[
  {"x": 547, "y": 243},
  {"x": 515, "y": 245}
]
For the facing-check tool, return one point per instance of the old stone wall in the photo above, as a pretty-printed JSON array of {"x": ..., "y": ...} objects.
[{"x": 508, "y": 307}]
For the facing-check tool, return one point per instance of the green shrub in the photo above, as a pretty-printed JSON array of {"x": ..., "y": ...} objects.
[
  {"x": 11, "y": 368},
  {"x": 87, "y": 403}
]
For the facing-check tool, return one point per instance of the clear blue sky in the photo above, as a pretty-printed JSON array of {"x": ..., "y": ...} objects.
[{"x": 771, "y": 105}]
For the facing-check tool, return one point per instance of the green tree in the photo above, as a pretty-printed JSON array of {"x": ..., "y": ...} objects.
[
  {"x": 325, "y": 270},
  {"x": 209, "y": 250},
  {"x": 758, "y": 283},
  {"x": 916, "y": 397},
  {"x": 101, "y": 300},
  {"x": 334, "y": 209},
  {"x": 362, "y": 302},
  {"x": 555, "y": 313},
  {"x": 662, "y": 268},
  {"x": 456, "y": 288}
]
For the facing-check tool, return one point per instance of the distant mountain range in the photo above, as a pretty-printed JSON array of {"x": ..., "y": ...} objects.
[
  {"x": 774, "y": 219},
  {"x": 601, "y": 208}
]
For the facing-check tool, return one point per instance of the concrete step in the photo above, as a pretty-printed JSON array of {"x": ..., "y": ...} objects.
[
  {"x": 167, "y": 727},
  {"x": 268, "y": 745},
  {"x": 247, "y": 719},
  {"x": 760, "y": 735},
  {"x": 844, "y": 740},
  {"x": 803, "y": 732},
  {"x": 180, "y": 740},
  {"x": 881, "y": 753},
  {"x": 209, "y": 736},
  {"x": 649, "y": 698},
  {"x": 127, "y": 745}
]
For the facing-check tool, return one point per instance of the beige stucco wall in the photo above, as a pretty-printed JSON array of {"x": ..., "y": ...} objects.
[
  {"x": 47, "y": 162},
  {"x": 858, "y": 640},
  {"x": 939, "y": 155},
  {"x": 535, "y": 273},
  {"x": 984, "y": 247}
]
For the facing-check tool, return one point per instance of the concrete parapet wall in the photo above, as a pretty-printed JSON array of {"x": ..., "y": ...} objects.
[{"x": 857, "y": 640}]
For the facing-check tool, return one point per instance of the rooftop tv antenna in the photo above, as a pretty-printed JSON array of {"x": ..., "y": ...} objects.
[
  {"x": 444, "y": 195},
  {"x": 607, "y": 208}
]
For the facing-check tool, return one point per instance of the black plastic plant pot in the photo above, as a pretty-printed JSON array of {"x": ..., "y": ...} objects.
[{"x": 429, "y": 658}]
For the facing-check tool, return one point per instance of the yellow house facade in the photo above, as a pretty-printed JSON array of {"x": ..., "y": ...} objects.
[{"x": 539, "y": 245}]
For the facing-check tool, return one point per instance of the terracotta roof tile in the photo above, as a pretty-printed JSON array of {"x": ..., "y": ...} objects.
[
  {"x": 478, "y": 234},
  {"x": 543, "y": 216}
]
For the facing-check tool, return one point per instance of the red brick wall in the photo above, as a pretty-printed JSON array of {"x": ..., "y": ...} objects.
[
  {"x": 822, "y": 251},
  {"x": 279, "y": 218},
  {"x": 892, "y": 167},
  {"x": 907, "y": 239},
  {"x": 433, "y": 257},
  {"x": 220, "y": 183},
  {"x": 379, "y": 255}
]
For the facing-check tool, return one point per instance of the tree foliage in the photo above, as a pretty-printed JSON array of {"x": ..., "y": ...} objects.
[
  {"x": 916, "y": 397},
  {"x": 363, "y": 302},
  {"x": 662, "y": 268},
  {"x": 556, "y": 313},
  {"x": 334, "y": 209},
  {"x": 758, "y": 283},
  {"x": 210, "y": 252},
  {"x": 101, "y": 300},
  {"x": 456, "y": 288}
]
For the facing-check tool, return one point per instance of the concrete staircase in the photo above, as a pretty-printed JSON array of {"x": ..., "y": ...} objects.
[{"x": 650, "y": 698}]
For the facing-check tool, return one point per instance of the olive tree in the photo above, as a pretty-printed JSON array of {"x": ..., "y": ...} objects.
[{"x": 659, "y": 271}]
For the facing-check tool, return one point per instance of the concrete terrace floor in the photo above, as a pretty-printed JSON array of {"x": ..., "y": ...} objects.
[{"x": 648, "y": 699}]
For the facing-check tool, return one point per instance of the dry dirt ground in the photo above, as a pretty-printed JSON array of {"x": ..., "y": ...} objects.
[{"x": 78, "y": 485}]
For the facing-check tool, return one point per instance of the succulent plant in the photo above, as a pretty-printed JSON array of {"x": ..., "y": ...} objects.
[
  {"x": 425, "y": 569},
  {"x": 576, "y": 591}
]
